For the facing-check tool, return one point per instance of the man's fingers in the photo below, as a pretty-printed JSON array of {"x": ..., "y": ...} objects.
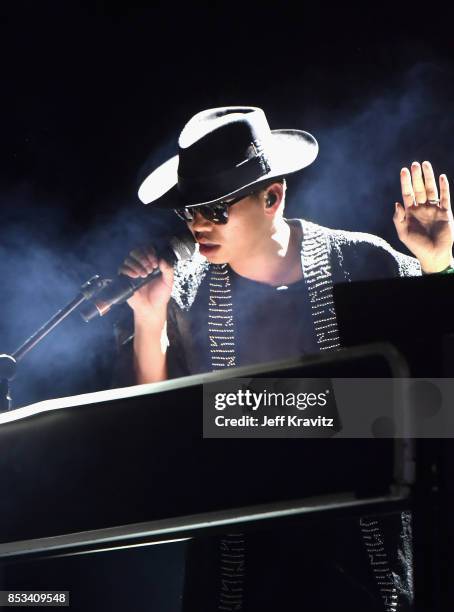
[
  {"x": 128, "y": 271},
  {"x": 445, "y": 200},
  {"x": 399, "y": 218},
  {"x": 430, "y": 182},
  {"x": 407, "y": 188},
  {"x": 142, "y": 267},
  {"x": 399, "y": 212},
  {"x": 145, "y": 257},
  {"x": 419, "y": 188},
  {"x": 167, "y": 272},
  {"x": 150, "y": 253}
]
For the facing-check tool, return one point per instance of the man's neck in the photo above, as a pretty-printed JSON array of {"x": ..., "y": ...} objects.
[{"x": 279, "y": 262}]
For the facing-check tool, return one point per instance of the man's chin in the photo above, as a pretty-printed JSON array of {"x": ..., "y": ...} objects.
[{"x": 216, "y": 258}]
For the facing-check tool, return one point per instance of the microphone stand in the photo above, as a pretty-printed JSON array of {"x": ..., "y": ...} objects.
[{"x": 8, "y": 363}]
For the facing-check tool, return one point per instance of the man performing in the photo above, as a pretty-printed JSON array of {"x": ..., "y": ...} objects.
[
  {"x": 259, "y": 287},
  {"x": 254, "y": 269}
]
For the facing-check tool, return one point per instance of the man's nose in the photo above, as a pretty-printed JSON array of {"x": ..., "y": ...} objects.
[{"x": 199, "y": 223}]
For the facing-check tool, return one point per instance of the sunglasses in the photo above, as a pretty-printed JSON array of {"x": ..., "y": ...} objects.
[{"x": 216, "y": 213}]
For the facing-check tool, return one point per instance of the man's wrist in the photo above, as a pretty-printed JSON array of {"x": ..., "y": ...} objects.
[
  {"x": 440, "y": 269},
  {"x": 150, "y": 319}
]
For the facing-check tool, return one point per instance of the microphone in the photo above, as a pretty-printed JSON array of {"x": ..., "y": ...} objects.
[{"x": 123, "y": 287}]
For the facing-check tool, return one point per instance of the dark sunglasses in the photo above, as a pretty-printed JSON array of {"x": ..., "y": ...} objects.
[{"x": 216, "y": 213}]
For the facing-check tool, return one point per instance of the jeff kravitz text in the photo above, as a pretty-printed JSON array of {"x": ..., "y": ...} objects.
[
  {"x": 250, "y": 401},
  {"x": 277, "y": 421}
]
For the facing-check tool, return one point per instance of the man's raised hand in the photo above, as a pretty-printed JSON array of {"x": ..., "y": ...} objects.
[{"x": 424, "y": 222}]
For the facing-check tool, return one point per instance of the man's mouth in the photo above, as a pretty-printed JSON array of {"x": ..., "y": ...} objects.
[{"x": 207, "y": 248}]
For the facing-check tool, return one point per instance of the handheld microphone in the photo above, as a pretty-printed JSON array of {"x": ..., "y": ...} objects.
[{"x": 123, "y": 287}]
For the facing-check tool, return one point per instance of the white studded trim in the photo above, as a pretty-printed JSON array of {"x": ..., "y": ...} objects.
[
  {"x": 315, "y": 258},
  {"x": 232, "y": 562},
  {"x": 221, "y": 328},
  {"x": 378, "y": 559}
]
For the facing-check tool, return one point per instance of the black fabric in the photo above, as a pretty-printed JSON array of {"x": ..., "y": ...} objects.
[
  {"x": 317, "y": 568},
  {"x": 271, "y": 323},
  {"x": 320, "y": 569}
]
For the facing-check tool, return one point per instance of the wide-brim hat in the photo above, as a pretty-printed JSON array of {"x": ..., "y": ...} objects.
[{"x": 224, "y": 152}]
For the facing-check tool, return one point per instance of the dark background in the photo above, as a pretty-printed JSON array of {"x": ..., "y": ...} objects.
[{"x": 95, "y": 93}]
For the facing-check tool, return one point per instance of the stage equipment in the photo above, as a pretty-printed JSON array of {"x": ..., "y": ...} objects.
[
  {"x": 130, "y": 467},
  {"x": 104, "y": 293}
]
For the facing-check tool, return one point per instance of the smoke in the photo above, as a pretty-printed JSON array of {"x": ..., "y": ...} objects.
[
  {"x": 43, "y": 263},
  {"x": 354, "y": 183}
]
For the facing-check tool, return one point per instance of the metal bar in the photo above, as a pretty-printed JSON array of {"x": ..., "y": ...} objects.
[
  {"x": 165, "y": 530},
  {"x": 48, "y": 327}
]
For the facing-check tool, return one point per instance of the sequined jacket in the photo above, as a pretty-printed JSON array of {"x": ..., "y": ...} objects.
[{"x": 328, "y": 257}]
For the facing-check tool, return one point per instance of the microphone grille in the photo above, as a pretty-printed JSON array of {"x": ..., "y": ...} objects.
[{"x": 183, "y": 247}]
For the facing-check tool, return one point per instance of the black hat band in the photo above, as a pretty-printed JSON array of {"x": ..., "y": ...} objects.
[{"x": 208, "y": 188}]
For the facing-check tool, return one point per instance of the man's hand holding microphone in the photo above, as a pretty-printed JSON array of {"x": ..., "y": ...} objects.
[
  {"x": 145, "y": 281},
  {"x": 149, "y": 304}
]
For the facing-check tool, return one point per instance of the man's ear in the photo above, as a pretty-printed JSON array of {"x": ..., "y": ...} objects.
[{"x": 273, "y": 197}]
